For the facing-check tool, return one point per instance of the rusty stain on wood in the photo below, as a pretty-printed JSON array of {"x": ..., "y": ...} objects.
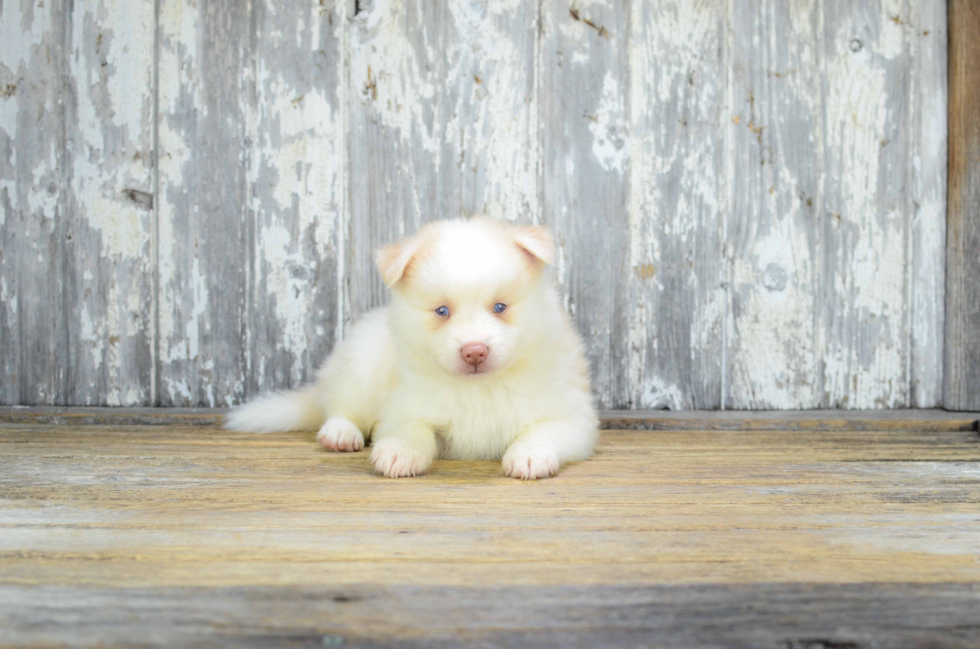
[
  {"x": 599, "y": 29},
  {"x": 646, "y": 271}
]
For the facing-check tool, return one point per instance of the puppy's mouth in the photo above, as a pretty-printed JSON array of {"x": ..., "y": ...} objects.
[{"x": 476, "y": 370}]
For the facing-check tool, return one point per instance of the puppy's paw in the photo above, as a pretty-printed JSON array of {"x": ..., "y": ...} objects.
[
  {"x": 340, "y": 434},
  {"x": 530, "y": 463},
  {"x": 393, "y": 458}
]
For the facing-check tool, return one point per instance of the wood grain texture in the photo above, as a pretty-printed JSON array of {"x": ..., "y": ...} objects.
[
  {"x": 775, "y": 108},
  {"x": 109, "y": 122},
  {"x": 297, "y": 200},
  {"x": 191, "y": 535},
  {"x": 756, "y": 616},
  {"x": 961, "y": 390},
  {"x": 811, "y": 420},
  {"x": 34, "y": 172},
  {"x": 443, "y": 122},
  {"x": 865, "y": 219},
  {"x": 927, "y": 232},
  {"x": 204, "y": 151},
  {"x": 837, "y": 262},
  {"x": 677, "y": 295},
  {"x": 584, "y": 116}
]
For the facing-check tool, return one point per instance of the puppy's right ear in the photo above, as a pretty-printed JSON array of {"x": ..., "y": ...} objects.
[{"x": 392, "y": 260}]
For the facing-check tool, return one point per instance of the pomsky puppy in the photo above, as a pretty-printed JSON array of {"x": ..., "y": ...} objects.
[{"x": 473, "y": 359}]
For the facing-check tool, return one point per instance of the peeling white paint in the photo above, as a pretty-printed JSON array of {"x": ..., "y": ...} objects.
[
  {"x": 14, "y": 39},
  {"x": 291, "y": 289},
  {"x": 395, "y": 83},
  {"x": 11, "y": 301},
  {"x": 178, "y": 69},
  {"x": 458, "y": 112},
  {"x": 296, "y": 172},
  {"x": 8, "y": 187},
  {"x": 657, "y": 394},
  {"x": 192, "y": 328},
  {"x": 42, "y": 201},
  {"x": 474, "y": 79},
  {"x": 873, "y": 275},
  {"x": 674, "y": 205},
  {"x": 179, "y": 79},
  {"x": 120, "y": 65},
  {"x": 776, "y": 324},
  {"x": 92, "y": 335},
  {"x": 178, "y": 390},
  {"x": 111, "y": 66},
  {"x": 608, "y": 126},
  {"x": 892, "y": 25},
  {"x": 504, "y": 125}
]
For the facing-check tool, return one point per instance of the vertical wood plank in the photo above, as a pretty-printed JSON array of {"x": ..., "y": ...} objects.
[
  {"x": 203, "y": 243},
  {"x": 443, "y": 122},
  {"x": 110, "y": 112},
  {"x": 961, "y": 389},
  {"x": 676, "y": 310},
  {"x": 776, "y": 187},
  {"x": 584, "y": 107},
  {"x": 297, "y": 190},
  {"x": 864, "y": 332},
  {"x": 33, "y": 222},
  {"x": 929, "y": 132}
]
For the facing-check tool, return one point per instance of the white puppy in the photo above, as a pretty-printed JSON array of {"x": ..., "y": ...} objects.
[{"x": 473, "y": 359}]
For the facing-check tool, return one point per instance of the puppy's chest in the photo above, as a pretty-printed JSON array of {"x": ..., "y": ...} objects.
[{"x": 480, "y": 428}]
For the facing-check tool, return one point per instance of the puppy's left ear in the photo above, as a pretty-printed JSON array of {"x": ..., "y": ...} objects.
[
  {"x": 537, "y": 242},
  {"x": 393, "y": 259}
]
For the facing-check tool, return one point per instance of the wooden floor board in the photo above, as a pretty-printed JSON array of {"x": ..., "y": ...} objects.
[{"x": 815, "y": 536}]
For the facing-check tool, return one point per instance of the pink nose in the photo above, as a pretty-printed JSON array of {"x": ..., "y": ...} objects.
[{"x": 474, "y": 353}]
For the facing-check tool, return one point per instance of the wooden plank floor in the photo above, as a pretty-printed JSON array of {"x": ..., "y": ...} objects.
[{"x": 169, "y": 535}]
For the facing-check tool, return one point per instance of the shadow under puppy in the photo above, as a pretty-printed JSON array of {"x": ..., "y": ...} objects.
[{"x": 473, "y": 359}]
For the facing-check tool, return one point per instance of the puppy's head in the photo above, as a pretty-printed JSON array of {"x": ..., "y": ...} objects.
[{"x": 467, "y": 295}]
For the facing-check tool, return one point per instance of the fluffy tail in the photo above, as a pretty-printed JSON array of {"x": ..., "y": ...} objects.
[{"x": 278, "y": 412}]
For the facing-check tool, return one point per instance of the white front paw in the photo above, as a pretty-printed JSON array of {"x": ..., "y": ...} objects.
[
  {"x": 530, "y": 463},
  {"x": 394, "y": 458},
  {"x": 340, "y": 434}
]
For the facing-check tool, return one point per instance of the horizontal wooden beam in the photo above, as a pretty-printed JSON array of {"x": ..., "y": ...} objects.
[{"x": 815, "y": 420}]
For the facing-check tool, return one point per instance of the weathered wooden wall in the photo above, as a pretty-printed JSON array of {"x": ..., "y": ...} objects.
[{"x": 749, "y": 198}]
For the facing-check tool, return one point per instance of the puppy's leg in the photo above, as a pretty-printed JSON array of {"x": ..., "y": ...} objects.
[
  {"x": 340, "y": 434},
  {"x": 403, "y": 450},
  {"x": 353, "y": 383},
  {"x": 540, "y": 451}
]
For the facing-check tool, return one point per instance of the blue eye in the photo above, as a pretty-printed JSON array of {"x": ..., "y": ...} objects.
[
  {"x": 442, "y": 311},
  {"x": 499, "y": 307}
]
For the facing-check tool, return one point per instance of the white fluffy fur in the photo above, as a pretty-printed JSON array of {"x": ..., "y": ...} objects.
[{"x": 399, "y": 380}]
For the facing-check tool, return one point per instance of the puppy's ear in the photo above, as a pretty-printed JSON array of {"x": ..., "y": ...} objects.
[
  {"x": 392, "y": 260},
  {"x": 537, "y": 242}
]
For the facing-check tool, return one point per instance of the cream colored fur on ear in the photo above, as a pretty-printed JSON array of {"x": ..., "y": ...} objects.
[
  {"x": 392, "y": 260},
  {"x": 537, "y": 241}
]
